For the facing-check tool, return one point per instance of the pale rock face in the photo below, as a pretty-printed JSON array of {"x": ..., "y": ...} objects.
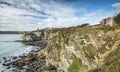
[
  {"x": 26, "y": 38},
  {"x": 40, "y": 35}
]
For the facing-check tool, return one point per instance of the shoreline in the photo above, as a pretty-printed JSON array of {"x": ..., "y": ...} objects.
[{"x": 28, "y": 62}]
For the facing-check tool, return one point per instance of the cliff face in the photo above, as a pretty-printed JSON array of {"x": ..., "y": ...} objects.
[
  {"x": 81, "y": 49},
  {"x": 38, "y": 35}
]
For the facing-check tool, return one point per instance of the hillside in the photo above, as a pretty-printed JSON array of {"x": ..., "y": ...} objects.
[{"x": 80, "y": 49}]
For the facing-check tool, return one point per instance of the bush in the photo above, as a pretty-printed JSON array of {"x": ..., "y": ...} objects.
[
  {"x": 84, "y": 25},
  {"x": 117, "y": 19}
]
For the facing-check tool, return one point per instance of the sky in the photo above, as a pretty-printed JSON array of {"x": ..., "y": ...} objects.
[{"x": 28, "y": 15}]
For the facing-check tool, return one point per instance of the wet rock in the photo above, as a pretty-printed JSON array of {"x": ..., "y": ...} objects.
[
  {"x": 8, "y": 67},
  {"x": 6, "y": 64},
  {"x": 14, "y": 57},
  {"x": 14, "y": 70},
  {"x": 6, "y": 59}
]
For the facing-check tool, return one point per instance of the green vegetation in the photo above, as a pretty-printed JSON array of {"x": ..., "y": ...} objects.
[
  {"x": 105, "y": 28},
  {"x": 107, "y": 39},
  {"x": 114, "y": 53},
  {"x": 111, "y": 62},
  {"x": 87, "y": 38},
  {"x": 77, "y": 66},
  {"x": 84, "y": 25},
  {"x": 117, "y": 19},
  {"x": 103, "y": 49},
  {"x": 75, "y": 30},
  {"x": 91, "y": 50}
]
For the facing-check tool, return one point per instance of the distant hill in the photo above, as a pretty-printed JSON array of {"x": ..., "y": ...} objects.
[{"x": 12, "y": 32}]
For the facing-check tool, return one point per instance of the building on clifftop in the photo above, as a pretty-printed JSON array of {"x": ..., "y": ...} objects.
[{"x": 107, "y": 21}]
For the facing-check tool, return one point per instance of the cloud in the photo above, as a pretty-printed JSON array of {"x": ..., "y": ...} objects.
[
  {"x": 33, "y": 14},
  {"x": 5, "y": 3},
  {"x": 117, "y": 6},
  {"x": 92, "y": 18}
]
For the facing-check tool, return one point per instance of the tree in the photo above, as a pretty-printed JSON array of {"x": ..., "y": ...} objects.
[
  {"x": 117, "y": 19},
  {"x": 85, "y": 24}
]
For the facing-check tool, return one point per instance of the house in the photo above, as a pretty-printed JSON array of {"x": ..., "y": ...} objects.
[{"x": 107, "y": 21}]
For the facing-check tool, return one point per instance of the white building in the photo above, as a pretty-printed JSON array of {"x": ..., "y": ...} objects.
[{"x": 107, "y": 21}]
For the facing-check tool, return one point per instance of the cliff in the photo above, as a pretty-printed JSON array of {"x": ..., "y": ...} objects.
[
  {"x": 82, "y": 49},
  {"x": 39, "y": 35}
]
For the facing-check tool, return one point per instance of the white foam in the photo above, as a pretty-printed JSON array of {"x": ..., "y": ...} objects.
[{"x": 23, "y": 51}]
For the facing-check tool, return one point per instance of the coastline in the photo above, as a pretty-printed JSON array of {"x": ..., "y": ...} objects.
[{"x": 27, "y": 62}]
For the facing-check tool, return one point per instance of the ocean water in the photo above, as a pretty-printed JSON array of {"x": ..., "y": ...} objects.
[{"x": 10, "y": 48}]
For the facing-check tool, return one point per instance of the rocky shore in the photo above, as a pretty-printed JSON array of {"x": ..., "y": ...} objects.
[
  {"x": 29, "y": 62},
  {"x": 41, "y": 44}
]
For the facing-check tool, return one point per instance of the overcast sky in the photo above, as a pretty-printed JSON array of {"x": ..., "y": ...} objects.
[{"x": 33, "y": 14}]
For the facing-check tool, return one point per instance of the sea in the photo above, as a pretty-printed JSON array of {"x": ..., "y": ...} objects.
[{"x": 8, "y": 47}]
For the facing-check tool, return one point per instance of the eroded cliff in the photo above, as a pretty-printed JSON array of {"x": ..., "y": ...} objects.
[{"x": 83, "y": 49}]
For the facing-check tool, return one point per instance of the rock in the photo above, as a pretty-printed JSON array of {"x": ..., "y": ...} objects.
[
  {"x": 52, "y": 67},
  {"x": 14, "y": 57},
  {"x": 8, "y": 68},
  {"x": 4, "y": 58},
  {"x": 14, "y": 70},
  {"x": 5, "y": 64}
]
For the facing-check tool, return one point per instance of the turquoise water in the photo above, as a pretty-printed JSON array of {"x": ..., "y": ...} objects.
[{"x": 10, "y": 48}]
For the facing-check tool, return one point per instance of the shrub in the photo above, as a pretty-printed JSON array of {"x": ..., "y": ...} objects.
[{"x": 117, "y": 19}]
